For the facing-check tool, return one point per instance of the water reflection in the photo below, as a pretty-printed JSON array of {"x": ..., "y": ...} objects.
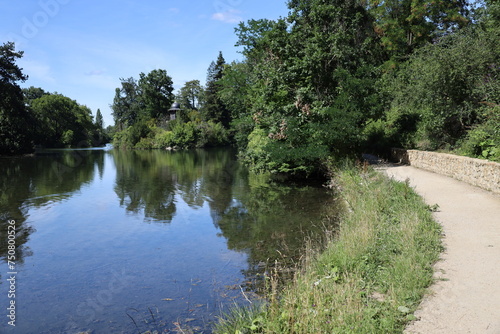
[
  {"x": 180, "y": 231},
  {"x": 34, "y": 181},
  {"x": 147, "y": 182},
  {"x": 267, "y": 220}
]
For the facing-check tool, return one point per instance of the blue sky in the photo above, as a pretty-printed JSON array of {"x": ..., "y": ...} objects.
[{"x": 82, "y": 48}]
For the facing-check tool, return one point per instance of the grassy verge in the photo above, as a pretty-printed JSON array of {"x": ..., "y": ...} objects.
[{"x": 371, "y": 276}]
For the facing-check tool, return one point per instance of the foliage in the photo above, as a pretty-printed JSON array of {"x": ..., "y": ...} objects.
[
  {"x": 438, "y": 94},
  {"x": 213, "y": 107},
  {"x": 307, "y": 84},
  {"x": 126, "y": 103},
  {"x": 191, "y": 95},
  {"x": 132, "y": 135},
  {"x": 211, "y": 134},
  {"x": 32, "y": 93},
  {"x": 99, "y": 122},
  {"x": 235, "y": 94},
  {"x": 185, "y": 134},
  {"x": 137, "y": 101},
  {"x": 155, "y": 93},
  {"x": 14, "y": 118},
  {"x": 406, "y": 25},
  {"x": 483, "y": 141},
  {"x": 61, "y": 121},
  {"x": 163, "y": 139},
  {"x": 371, "y": 276},
  {"x": 180, "y": 135},
  {"x": 256, "y": 154}
]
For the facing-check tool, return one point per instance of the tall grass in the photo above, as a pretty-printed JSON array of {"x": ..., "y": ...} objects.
[{"x": 372, "y": 274}]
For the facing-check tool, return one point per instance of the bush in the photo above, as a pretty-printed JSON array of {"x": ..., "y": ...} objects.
[
  {"x": 163, "y": 139},
  {"x": 144, "y": 144},
  {"x": 67, "y": 138},
  {"x": 256, "y": 155},
  {"x": 185, "y": 135},
  {"x": 211, "y": 134},
  {"x": 483, "y": 141}
]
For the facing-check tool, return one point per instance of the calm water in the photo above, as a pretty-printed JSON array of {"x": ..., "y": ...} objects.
[{"x": 125, "y": 242}]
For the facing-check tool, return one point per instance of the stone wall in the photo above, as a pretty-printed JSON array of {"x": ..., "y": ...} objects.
[{"x": 481, "y": 173}]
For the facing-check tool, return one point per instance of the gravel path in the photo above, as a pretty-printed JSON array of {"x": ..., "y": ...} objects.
[{"x": 466, "y": 295}]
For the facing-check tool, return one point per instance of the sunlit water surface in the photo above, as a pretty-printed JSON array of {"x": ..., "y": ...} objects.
[{"x": 126, "y": 242}]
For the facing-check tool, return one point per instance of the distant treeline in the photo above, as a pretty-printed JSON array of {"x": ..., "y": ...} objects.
[{"x": 31, "y": 117}]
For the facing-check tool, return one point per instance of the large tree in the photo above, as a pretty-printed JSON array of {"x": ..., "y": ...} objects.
[
  {"x": 142, "y": 100},
  {"x": 213, "y": 107},
  {"x": 61, "y": 121},
  {"x": 155, "y": 93},
  {"x": 312, "y": 83},
  {"x": 99, "y": 122},
  {"x": 14, "y": 118},
  {"x": 127, "y": 103},
  {"x": 190, "y": 96}
]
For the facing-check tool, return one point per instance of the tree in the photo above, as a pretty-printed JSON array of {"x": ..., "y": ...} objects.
[
  {"x": 148, "y": 98},
  {"x": 445, "y": 90},
  {"x": 14, "y": 118},
  {"x": 61, "y": 121},
  {"x": 127, "y": 103},
  {"x": 235, "y": 93},
  {"x": 214, "y": 108},
  {"x": 33, "y": 93},
  {"x": 190, "y": 96},
  {"x": 405, "y": 25},
  {"x": 155, "y": 93},
  {"x": 99, "y": 122},
  {"x": 312, "y": 83}
]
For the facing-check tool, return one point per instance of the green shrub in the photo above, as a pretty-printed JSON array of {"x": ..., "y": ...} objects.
[
  {"x": 256, "y": 155},
  {"x": 144, "y": 144},
  {"x": 121, "y": 139},
  {"x": 163, "y": 139},
  {"x": 67, "y": 138},
  {"x": 483, "y": 141},
  {"x": 211, "y": 134},
  {"x": 185, "y": 135}
]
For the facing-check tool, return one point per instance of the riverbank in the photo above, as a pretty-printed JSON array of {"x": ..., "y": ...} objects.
[{"x": 371, "y": 276}]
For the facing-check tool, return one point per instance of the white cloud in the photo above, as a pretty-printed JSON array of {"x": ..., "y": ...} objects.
[
  {"x": 95, "y": 72},
  {"x": 228, "y": 16}
]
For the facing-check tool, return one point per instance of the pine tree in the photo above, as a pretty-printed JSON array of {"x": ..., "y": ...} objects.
[
  {"x": 99, "y": 120},
  {"x": 213, "y": 108}
]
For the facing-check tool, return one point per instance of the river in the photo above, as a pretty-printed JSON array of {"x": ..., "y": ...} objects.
[{"x": 111, "y": 241}]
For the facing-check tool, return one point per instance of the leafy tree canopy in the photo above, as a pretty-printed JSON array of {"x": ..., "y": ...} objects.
[
  {"x": 14, "y": 118},
  {"x": 405, "y": 25}
]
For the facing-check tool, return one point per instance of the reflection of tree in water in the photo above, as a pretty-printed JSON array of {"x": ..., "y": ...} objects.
[
  {"x": 36, "y": 181},
  {"x": 271, "y": 222},
  {"x": 145, "y": 182},
  {"x": 150, "y": 180},
  {"x": 266, "y": 220}
]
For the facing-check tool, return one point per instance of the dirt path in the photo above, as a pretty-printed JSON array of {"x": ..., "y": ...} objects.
[{"x": 466, "y": 296}]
